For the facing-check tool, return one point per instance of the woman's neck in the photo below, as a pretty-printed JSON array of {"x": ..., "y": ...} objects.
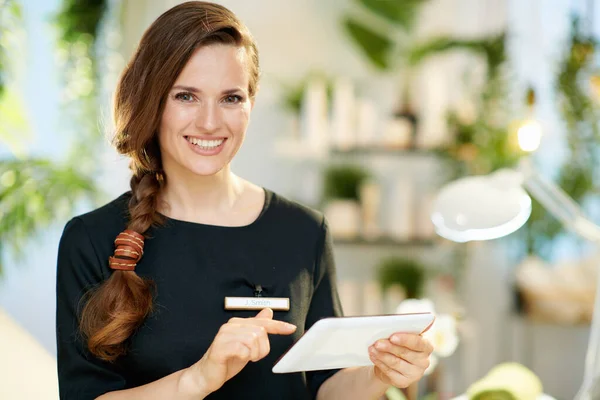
[{"x": 201, "y": 198}]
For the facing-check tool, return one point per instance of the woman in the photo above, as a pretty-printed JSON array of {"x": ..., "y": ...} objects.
[{"x": 142, "y": 316}]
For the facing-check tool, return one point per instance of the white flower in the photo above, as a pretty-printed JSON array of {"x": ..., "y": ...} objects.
[
  {"x": 409, "y": 306},
  {"x": 444, "y": 336}
]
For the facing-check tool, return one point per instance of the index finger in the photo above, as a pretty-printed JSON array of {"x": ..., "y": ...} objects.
[{"x": 272, "y": 326}]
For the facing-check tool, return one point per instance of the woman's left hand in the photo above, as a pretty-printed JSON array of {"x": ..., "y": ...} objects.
[{"x": 402, "y": 359}]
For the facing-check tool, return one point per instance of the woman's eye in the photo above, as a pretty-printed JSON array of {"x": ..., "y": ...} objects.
[
  {"x": 185, "y": 97},
  {"x": 233, "y": 99}
]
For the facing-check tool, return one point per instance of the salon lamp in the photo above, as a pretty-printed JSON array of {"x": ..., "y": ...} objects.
[{"x": 492, "y": 206}]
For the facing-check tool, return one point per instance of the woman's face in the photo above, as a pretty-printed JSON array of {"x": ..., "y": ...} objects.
[{"x": 207, "y": 112}]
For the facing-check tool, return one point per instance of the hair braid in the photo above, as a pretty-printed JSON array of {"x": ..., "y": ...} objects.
[{"x": 119, "y": 306}]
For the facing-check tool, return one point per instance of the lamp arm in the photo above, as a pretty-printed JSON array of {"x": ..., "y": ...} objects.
[
  {"x": 564, "y": 208},
  {"x": 558, "y": 203}
]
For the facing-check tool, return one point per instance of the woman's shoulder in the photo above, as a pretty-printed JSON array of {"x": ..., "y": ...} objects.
[
  {"x": 112, "y": 214},
  {"x": 89, "y": 238},
  {"x": 102, "y": 224},
  {"x": 293, "y": 212}
]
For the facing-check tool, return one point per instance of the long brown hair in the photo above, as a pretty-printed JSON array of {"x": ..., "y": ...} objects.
[{"x": 116, "y": 308}]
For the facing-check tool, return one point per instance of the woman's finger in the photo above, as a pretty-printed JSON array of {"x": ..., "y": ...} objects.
[
  {"x": 227, "y": 345},
  {"x": 255, "y": 337},
  {"x": 420, "y": 359},
  {"x": 412, "y": 341},
  {"x": 395, "y": 378},
  {"x": 260, "y": 340},
  {"x": 271, "y": 325},
  {"x": 397, "y": 364}
]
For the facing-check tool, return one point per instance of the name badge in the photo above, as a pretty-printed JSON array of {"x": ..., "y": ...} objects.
[{"x": 257, "y": 303}]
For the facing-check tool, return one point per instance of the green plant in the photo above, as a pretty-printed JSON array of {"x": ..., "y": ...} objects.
[
  {"x": 79, "y": 18},
  {"x": 406, "y": 272},
  {"x": 383, "y": 36},
  {"x": 343, "y": 182},
  {"x": 582, "y": 122},
  {"x": 381, "y": 31},
  {"x": 78, "y": 23},
  {"x": 492, "y": 49},
  {"x": 487, "y": 142},
  {"x": 10, "y": 12},
  {"x": 34, "y": 191}
]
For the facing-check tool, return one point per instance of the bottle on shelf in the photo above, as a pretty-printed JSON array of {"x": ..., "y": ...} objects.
[{"x": 401, "y": 128}]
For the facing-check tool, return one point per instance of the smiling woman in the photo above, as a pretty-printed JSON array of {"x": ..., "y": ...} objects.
[{"x": 191, "y": 234}]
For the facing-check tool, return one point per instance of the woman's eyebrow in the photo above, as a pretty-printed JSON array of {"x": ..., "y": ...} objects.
[
  {"x": 192, "y": 89},
  {"x": 233, "y": 90},
  {"x": 187, "y": 88}
]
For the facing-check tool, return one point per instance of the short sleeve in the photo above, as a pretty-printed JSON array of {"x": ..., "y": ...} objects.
[
  {"x": 325, "y": 301},
  {"x": 81, "y": 375}
]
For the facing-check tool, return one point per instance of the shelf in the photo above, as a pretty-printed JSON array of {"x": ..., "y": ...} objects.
[
  {"x": 298, "y": 149},
  {"x": 385, "y": 241},
  {"x": 381, "y": 150}
]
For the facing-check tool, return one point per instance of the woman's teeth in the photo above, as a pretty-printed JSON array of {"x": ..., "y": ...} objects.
[{"x": 205, "y": 144}]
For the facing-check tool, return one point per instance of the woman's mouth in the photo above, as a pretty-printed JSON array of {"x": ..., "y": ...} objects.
[{"x": 205, "y": 147}]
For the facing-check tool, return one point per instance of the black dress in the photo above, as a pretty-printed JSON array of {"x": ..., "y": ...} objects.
[{"x": 287, "y": 250}]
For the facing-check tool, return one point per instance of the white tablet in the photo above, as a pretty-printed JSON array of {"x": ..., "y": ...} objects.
[{"x": 344, "y": 342}]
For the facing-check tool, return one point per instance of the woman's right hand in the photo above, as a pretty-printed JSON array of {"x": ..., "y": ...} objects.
[{"x": 238, "y": 341}]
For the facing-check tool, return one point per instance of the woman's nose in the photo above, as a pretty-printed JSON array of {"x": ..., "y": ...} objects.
[{"x": 208, "y": 117}]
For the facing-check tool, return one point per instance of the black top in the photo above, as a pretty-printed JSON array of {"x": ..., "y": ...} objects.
[{"x": 287, "y": 250}]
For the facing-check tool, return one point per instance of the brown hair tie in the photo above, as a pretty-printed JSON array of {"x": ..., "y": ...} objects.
[{"x": 130, "y": 248}]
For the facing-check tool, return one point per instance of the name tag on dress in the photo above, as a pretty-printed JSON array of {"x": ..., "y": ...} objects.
[{"x": 257, "y": 303}]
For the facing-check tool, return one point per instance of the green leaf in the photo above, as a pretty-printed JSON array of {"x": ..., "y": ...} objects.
[
  {"x": 492, "y": 49},
  {"x": 393, "y": 393},
  {"x": 14, "y": 127},
  {"x": 376, "y": 47},
  {"x": 15, "y": 9},
  {"x": 35, "y": 192},
  {"x": 402, "y": 13},
  {"x": 10, "y": 16},
  {"x": 79, "y": 19}
]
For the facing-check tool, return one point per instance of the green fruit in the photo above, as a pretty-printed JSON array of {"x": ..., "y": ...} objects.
[{"x": 507, "y": 381}]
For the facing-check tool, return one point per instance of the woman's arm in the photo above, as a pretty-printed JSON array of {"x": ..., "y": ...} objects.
[
  {"x": 353, "y": 383},
  {"x": 180, "y": 385}
]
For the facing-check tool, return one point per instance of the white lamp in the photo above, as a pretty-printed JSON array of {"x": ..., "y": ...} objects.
[{"x": 493, "y": 206}]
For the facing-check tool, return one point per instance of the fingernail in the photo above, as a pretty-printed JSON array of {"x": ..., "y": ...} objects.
[
  {"x": 290, "y": 326},
  {"x": 395, "y": 339},
  {"x": 379, "y": 346}
]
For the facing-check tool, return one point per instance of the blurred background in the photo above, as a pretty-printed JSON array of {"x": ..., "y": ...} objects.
[{"x": 366, "y": 108}]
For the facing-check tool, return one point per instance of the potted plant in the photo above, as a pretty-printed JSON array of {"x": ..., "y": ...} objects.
[
  {"x": 341, "y": 194},
  {"x": 407, "y": 273}
]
